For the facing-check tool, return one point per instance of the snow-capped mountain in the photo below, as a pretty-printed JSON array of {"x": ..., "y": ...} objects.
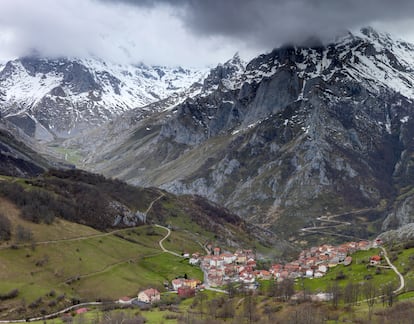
[
  {"x": 294, "y": 134},
  {"x": 62, "y": 97},
  {"x": 367, "y": 56}
]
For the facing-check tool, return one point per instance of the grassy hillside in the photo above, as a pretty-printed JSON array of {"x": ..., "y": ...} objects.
[
  {"x": 84, "y": 265},
  {"x": 264, "y": 306},
  {"x": 62, "y": 245},
  {"x": 103, "y": 204},
  {"x": 356, "y": 273}
]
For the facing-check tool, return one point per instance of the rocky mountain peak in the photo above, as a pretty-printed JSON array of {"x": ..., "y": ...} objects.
[
  {"x": 224, "y": 74},
  {"x": 61, "y": 97}
]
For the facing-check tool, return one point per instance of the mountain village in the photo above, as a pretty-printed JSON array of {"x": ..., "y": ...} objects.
[{"x": 223, "y": 268}]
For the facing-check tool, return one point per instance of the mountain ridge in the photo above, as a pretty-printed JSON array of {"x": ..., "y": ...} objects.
[
  {"x": 57, "y": 98},
  {"x": 294, "y": 134}
]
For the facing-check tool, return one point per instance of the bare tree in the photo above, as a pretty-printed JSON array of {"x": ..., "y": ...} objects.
[
  {"x": 335, "y": 290},
  {"x": 250, "y": 308},
  {"x": 115, "y": 318},
  {"x": 388, "y": 294},
  {"x": 200, "y": 303},
  {"x": 305, "y": 314},
  {"x": 5, "y": 228},
  {"x": 227, "y": 310},
  {"x": 231, "y": 289},
  {"x": 351, "y": 293},
  {"x": 369, "y": 291},
  {"x": 286, "y": 289}
]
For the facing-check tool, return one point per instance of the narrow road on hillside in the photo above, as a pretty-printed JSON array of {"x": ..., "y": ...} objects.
[
  {"x": 53, "y": 315},
  {"x": 393, "y": 267},
  {"x": 73, "y": 239},
  {"x": 153, "y": 202},
  {"x": 86, "y": 237},
  {"x": 164, "y": 238},
  {"x": 330, "y": 219}
]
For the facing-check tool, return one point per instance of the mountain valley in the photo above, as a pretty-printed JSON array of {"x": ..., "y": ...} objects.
[
  {"x": 288, "y": 140},
  {"x": 296, "y": 134},
  {"x": 117, "y": 178}
]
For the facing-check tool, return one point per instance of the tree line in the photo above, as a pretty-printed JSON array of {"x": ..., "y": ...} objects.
[{"x": 43, "y": 199}]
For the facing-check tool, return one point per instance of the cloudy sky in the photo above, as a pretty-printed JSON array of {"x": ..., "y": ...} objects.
[{"x": 185, "y": 32}]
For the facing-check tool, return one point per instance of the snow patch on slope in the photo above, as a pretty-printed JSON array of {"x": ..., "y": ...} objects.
[{"x": 68, "y": 96}]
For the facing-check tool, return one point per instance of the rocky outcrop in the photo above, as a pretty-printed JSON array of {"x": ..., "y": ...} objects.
[
  {"x": 401, "y": 215},
  {"x": 16, "y": 158},
  {"x": 401, "y": 235}
]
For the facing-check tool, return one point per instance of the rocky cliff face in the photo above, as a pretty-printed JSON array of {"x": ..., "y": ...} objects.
[
  {"x": 59, "y": 98},
  {"x": 19, "y": 155},
  {"x": 292, "y": 135}
]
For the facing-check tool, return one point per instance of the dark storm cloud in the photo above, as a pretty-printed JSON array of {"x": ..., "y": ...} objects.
[
  {"x": 84, "y": 28},
  {"x": 271, "y": 22},
  {"x": 187, "y": 32}
]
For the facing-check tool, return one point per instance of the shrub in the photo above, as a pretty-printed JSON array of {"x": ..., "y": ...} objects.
[
  {"x": 52, "y": 303},
  {"x": 340, "y": 276},
  {"x": 10, "y": 295}
]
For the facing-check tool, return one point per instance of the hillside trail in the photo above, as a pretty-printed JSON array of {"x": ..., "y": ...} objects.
[
  {"x": 56, "y": 314},
  {"x": 394, "y": 268},
  {"x": 164, "y": 238},
  {"x": 162, "y": 194},
  {"x": 112, "y": 265},
  {"x": 86, "y": 237},
  {"x": 160, "y": 243}
]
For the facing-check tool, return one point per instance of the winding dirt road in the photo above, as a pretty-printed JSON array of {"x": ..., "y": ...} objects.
[
  {"x": 393, "y": 267},
  {"x": 153, "y": 202},
  {"x": 164, "y": 238},
  {"x": 330, "y": 219}
]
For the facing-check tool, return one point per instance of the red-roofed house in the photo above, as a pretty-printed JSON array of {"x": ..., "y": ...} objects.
[
  {"x": 377, "y": 242},
  {"x": 264, "y": 274},
  {"x": 177, "y": 283},
  {"x": 364, "y": 245},
  {"x": 276, "y": 268},
  {"x": 292, "y": 267},
  {"x": 149, "y": 296},
  {"x": 375, "y": 259},
  {"x": 251, "y": 263},
  {"x": 348, "y": 261}
]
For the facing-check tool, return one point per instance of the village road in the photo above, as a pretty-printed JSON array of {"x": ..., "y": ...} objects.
[
  {"x": 164, "y": 238},
  {"x": 34, "y": 319},
  {"x": 393, "y": 267}
]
